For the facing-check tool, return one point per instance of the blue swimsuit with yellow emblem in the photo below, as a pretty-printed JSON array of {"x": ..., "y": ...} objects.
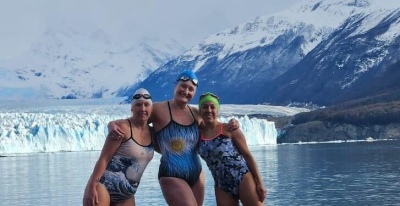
[{"x": 179, "y": 146}]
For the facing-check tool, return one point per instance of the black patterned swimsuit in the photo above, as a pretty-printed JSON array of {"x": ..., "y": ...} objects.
[{"x": 226, "y": 164}]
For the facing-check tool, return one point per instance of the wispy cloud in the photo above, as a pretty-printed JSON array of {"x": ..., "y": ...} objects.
[{"x": 23, "y": 21}]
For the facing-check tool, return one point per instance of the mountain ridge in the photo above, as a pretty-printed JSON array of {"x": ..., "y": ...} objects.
[
  {"x": 315, "y": 51},
  {"x": 308, "y": 61},
  {"x": 68, "y": 63}
]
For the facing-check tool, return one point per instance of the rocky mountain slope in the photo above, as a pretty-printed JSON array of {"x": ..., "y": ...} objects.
[{"x": 318, "y": 51}]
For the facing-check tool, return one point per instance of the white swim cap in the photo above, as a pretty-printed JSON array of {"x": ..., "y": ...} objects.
[{"x": 141, "y": 94}]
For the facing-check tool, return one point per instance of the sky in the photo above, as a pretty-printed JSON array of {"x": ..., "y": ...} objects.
[{"x": 24, "y": 21}]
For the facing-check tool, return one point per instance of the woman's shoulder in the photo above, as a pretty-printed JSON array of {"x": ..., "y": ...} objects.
[
  {"x": 160, "y": 109},
  {"x": 193, "y": 108},
  {"x": 195, "y": 112},
  {"x": 125, "y": 125},
  {"x": 161, "y": 103},
  {"x": 227, "y": 131},
  {"x": 159, "y": 106},
  {"x": 122, "y": 122},
  {"x": 225, "y": 126}
]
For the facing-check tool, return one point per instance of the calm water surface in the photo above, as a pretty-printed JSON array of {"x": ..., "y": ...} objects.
[{"x": 363, "y": 173}]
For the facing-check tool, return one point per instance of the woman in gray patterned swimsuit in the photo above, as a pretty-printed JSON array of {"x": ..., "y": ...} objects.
[
  {"x": 116, "y": 175},
  {"x": 232, "y": 166}
]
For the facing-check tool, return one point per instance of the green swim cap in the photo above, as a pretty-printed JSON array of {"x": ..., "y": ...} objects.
[{"x": 209, "y": 97}]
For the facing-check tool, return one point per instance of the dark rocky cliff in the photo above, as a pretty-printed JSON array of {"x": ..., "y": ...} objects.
[
  {"x": 371, "y": 117},
  {"x": 323, "y": 131}
]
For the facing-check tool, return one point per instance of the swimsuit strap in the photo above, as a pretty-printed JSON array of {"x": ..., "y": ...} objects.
[
  {"x": 170, "y": 112},
  {"x": 221, "y": 132},
  {"x": 151, "y": 134},
  {"x": 130, "y": 126},
  {"x": 191, "y": 112}
]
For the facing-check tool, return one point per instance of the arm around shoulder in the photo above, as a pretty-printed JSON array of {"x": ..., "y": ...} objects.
[
  {"x": 196, "y": 114},
  {"x": 115, "y": 129},
  {"x": 155, "y": 111}
]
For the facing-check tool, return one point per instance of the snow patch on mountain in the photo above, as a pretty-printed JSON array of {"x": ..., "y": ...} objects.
[{"x": 67, "y": 63}]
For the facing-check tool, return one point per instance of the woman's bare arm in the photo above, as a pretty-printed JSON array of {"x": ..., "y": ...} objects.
[
  {"x": 109, "y": 148},
  {"x": 240, "y": 142},
  {"x": 114, "y": 130}
]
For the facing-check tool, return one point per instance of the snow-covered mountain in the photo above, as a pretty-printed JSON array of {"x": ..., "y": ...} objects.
[
  {"x": 315, "y": 50},
  {"x": 70, "y": 63},
  {"x": 355, "y": 55}
]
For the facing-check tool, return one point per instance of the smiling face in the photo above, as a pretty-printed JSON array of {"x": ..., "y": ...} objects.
[
  {"x": 184, "y": 91},
  {"x": 141, "y": 110},
  {"x": 209, "y": 112}
]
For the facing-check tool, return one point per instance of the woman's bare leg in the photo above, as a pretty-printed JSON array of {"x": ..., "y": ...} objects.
[
  {"x": 128, "y": 202},
  {"x": 247, "y": 191},
  {"x": 225, "y": 199},
  {"x": 198, "y": 189},
  {"x": 103, "y": 195},
  {"x": 177, "y": 192}
]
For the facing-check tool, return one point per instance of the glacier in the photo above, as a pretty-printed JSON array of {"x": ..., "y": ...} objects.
[
  {"x": 41, "y": 132},
  {"x": 81, "y": 125}
]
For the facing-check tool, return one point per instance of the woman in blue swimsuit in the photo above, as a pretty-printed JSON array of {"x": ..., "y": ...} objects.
[
  {"x": 176, "y": 138},
  {"x": 232, "y": 166},
  {"x": 117, "y": 173},
  {"x": 176, "y": 126}
]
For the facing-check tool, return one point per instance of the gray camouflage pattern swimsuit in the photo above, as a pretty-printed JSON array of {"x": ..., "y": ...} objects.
[{"x": 226, "y": 164}]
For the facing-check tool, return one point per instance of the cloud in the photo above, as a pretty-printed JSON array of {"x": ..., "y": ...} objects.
[{"x": 24, "y": 21}]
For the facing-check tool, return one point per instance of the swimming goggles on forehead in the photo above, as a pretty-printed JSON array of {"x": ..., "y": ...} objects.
[
  {"x": 187, "y": 78},
  {"x": 209, "y": 94},
  {"x": 138, "y": 96}
]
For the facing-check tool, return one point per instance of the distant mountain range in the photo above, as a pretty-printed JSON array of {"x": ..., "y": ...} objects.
[
  {"x": 324, "y": 52},
  {"x": 319, "y": 51},
  {"x": 70, "y": 63}
]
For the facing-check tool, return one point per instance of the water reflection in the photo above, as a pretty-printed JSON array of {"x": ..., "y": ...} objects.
[{"x": 315, "y": 174}]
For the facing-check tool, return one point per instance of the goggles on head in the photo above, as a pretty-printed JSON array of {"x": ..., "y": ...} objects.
[
  {"x": 186, "y": 78},
  {"x": 138, "y": 96},
  {"x": 209, "y": 94}
]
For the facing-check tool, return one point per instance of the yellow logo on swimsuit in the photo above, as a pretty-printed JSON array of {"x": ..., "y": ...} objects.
[{"x": 177, "y": 145}]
